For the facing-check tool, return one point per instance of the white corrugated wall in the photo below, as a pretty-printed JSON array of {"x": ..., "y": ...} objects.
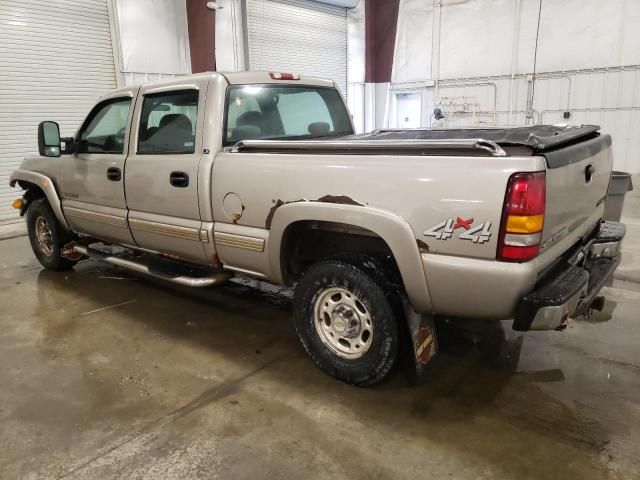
[
  {"x": 299, "y": 36},
  {"x": 56, "y": 59}
]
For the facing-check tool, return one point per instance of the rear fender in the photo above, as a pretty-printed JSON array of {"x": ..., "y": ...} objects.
[{"x": 391, "y": 228}]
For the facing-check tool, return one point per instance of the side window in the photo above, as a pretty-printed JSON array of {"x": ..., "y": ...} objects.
[
  {"x": 168, "y": 122},
  {"x": 244, "y": 116},
  {"x": 103, "y": 130}
]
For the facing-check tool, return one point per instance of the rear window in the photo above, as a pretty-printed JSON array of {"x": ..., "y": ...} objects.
[{"x": 284, "y": 112}]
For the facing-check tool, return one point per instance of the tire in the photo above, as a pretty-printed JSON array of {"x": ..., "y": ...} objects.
[
  {"x": 335, "y": 304},
  {"x": 47, "y": 236}
]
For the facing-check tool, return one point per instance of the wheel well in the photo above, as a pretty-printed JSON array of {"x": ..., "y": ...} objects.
[
  {"x": 32, "y": 192},
  {"x": 307, "y": 242}
]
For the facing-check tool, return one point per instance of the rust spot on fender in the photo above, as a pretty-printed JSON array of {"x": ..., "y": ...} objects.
[
  {"x": 423, "y": 247},
  {"x": 337, "y": 199},
  {"x": 272, "y": 212},
  {"x": 215, "y": 260}
]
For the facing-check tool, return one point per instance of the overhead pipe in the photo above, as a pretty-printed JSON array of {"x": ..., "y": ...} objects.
[
  {"x": 549, "y": 74},
  {"x": 446, "y": 84},
  {"x": 589, "y": 110},
  {"x": 435, "y": 46},
  {"x": 496, "y": 113},
  {"x": 514, "y": 54}
]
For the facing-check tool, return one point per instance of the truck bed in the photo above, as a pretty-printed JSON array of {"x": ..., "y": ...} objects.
[
  {"x": 498, "y": 142},
  {"x": 538, "y": 138}
]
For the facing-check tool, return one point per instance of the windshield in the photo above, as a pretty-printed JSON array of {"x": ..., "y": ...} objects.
[{"x": 284, "y": 112}]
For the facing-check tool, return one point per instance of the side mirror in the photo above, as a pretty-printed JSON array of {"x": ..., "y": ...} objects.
[{"x": 49, "y": 139}]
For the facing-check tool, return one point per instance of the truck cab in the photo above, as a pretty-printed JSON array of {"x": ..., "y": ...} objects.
[{"x": 138, "y": 170}]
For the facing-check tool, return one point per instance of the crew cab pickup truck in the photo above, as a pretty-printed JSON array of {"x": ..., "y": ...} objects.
[{"x": 207, "y": 176}]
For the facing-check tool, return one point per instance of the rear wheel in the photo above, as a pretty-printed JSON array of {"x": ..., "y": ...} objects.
[
  {"x": 346, "y": 322},
  {"x": 47, "y": 236}
]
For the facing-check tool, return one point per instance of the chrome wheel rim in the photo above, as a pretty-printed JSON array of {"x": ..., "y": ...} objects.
[
  {"x": 343, "y": 323},
  {"x": 44, "y": 236}
]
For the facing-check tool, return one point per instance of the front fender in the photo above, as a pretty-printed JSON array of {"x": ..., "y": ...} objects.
[
  {"x": 391, "y": 228},
  {"x": 46, "y": 185}
]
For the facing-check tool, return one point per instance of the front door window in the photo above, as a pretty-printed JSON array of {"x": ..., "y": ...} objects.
[{"x": 104, "y": 129}]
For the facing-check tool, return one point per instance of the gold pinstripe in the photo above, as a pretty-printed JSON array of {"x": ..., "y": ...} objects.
[
  {"x": 239, "y": 241},
  {"x": 105, "y": 218},
  {"x": 184, "y": 233}
]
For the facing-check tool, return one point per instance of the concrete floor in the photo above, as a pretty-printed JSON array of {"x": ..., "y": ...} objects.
[{"x": 105, "y": 375}]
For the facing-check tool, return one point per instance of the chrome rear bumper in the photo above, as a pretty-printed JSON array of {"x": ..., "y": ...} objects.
[{"x": 570, "y": 289}]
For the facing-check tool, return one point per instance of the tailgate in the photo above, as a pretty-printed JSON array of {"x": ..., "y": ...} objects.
[{"x": 577, "y": 182}]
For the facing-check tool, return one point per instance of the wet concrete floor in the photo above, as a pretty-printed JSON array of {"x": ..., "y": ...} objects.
[{"x": 106, "y": 375}]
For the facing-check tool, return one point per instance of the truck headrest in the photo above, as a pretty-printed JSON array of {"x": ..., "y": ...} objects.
[{"x": 176, "y": 120}]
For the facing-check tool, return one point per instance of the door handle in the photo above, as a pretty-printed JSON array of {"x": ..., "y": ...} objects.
[
  {"x": 179, "y": 179},
  {"x": 114, "y": 174}
]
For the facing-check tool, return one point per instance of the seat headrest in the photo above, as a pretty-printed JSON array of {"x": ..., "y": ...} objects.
[
  {"x": 250, "y": 118},
  {"x": 176, "y": 120}
]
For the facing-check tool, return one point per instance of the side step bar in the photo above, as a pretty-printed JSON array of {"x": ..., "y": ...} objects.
[{"x": 198, "y": 282}]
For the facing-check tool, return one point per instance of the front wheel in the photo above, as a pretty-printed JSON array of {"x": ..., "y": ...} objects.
[
  {"x": 47, "y": 236},
  {"x": 346, "y": 323}
]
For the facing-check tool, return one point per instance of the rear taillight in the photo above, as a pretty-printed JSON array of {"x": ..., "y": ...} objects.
[{"x": 522, "y": 217}]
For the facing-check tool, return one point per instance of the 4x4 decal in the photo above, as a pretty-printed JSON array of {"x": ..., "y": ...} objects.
[{"x": 445, "y": 230}]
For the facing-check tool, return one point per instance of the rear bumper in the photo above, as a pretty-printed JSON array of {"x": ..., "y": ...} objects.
[{"x": 570, "y": 288}]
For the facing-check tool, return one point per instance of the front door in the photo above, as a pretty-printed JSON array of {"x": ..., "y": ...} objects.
[
  {"x": 161, "y": 177},
  {"x": 92, "y": 182}
]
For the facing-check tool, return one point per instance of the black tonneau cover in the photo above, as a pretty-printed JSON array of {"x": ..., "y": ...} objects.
[{"x": 539, "y": 138}]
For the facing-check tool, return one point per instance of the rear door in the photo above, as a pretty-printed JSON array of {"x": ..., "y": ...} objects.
[
  {"x": 161, "y": 181},
  {"x": 92, "y": 179},
  {"x": 577, "y": 182}
]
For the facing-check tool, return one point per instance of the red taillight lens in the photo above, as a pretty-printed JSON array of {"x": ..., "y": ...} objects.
[
  {"x": 519, "y": 253},
  {"x": 526, "y": 194},
  {"x": 522, "y": 217},
  {"x": 284, "y": 76}
]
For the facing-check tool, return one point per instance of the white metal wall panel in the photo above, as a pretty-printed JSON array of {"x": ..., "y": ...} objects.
[
  {"x": 300, "y": 36},
  {"x": 56, "y": 59}
]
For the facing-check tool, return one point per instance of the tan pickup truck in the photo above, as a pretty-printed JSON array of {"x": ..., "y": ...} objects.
[{"x": 260, "y": 174}]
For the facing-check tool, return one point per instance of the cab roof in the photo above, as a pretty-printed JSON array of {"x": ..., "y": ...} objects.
[{"x": 246, "y": 78}]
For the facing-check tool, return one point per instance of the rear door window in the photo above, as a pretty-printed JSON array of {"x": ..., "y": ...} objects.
[{"x": 168, "y": 123}]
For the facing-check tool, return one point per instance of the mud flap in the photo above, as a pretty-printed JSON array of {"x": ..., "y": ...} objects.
[
  {"x": 68, "y": 252},
  {"x": 423, "y": 337}
]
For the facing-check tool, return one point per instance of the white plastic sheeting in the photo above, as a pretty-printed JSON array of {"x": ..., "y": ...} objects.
[
  {"x": 154, "y": 37},
  {"x": 589, "y": 49},
  {"x": 356, "y": 43},
  {"x": 230, "y": 50},
  {"x": 356, "y": 91},
  {"x": 478, "y": 37},
  {"x": 412, "y": 54}
]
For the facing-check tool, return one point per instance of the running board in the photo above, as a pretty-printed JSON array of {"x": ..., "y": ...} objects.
[{"x": 199, "y": 282}]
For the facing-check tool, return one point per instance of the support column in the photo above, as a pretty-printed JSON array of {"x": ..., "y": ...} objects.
[{"x": 202, "y": 34}]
